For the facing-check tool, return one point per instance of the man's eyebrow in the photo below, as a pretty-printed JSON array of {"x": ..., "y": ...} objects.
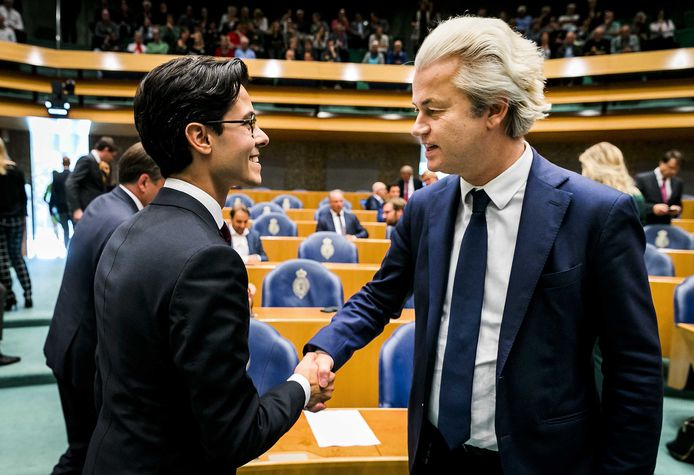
[{"x": 426, "y": 101}]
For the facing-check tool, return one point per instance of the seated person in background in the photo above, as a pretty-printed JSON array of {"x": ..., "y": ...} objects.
[
  {"x": 662, "y": 189},
  {"x": 396, "y": 55},
  {"x": 569, "y": 48},
  {"x": 429, "y": 178},
  {"x": 377, "y": 198},
  {"x": 244, "y": 51},
  {"x": 245, "y": 241},
  {"x": 625, "y": 42},
  {"x": 334, "y": 218},
  {"x": 157, "y": 46},
  {"x": 392, "y": 212},
  {"x": 137, "y": 46},
  {"x": 408, "y": 183},
  {"x": 224, "y": 49},
  {"x": 597, "y": 44},
  {"x": 393, "y": 191},
  {"x": 373, "y": 56}
]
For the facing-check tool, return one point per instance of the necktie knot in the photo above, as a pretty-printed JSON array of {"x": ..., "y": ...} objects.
[{"x": 480, "y": 200}]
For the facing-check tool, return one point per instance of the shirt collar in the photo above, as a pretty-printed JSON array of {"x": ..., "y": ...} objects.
[
  {"x": 502, "y": 188},
  {"x": 205, "y": 199},
  {"x": 137, "y": 201},
  {"x": 334, "y": 214},
  {"x": 96, "y": 156},
  {"x": 658, "y": 174},
  {"x": 234, "y": 233}
]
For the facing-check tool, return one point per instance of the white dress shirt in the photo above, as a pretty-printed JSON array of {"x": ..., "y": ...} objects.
[
  {"x": 216, "y": 211},
  {"x": 137, "y": 201},
  {"x": 339, "y": 222},
  {"x": 503, "y": 217},
  {"x": 13, "y": 18},
  {"x": 668, "y": 182},
  {"x": 96, "y": 156},
  {"x": 409, "y": 186},
  {"x": 240, "y": 244}
]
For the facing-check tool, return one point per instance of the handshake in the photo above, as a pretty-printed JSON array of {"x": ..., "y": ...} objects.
[{"x": 317, "y": 368}]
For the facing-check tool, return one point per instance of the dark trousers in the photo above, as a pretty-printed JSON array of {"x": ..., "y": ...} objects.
[
  {"x": 435, "y": 457},
  {"x": 64, "y": 220},
  {"x": 3, "y": 294},
  {"x": 80, "y": 419},
  {"x": 11, "y": 236}
]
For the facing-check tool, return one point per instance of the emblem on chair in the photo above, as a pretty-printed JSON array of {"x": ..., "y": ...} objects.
[
  {"x": 327, "y": 249},
  {"x": 266, "y": 210},
  {"x": 301, "y": 285},
  {"x": 661, "y": 240},
  {"x": 237, "y": 202},
  {"x": 273, "y": 227},
  {"x": 286, "y": 204}
]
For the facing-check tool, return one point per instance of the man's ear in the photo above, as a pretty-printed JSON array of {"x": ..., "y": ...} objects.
[
  {"x": 497, "y": 113},
  {"x": 198, "y": 137},
  {"x": 142, "y": 182}
]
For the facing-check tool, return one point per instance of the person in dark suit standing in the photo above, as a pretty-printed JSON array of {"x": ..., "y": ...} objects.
[
  {"x": 662, "y": 189},
  {"x": 86, "y": 181},
  {"x": 244, "y": 240},
  {"x": 334, "y": 218},
  {"x": 58, "y": 200},
  {"x": 521, "y": 266},
  {"x": 71, "y": 343},
  {"x": 171, "y": 294},
  {"x": 408, "y": 183},
  {"x": 379, "y": 193}
]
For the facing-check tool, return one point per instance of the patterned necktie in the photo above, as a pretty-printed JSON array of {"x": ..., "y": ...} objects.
[
  {"x": 226, "y": 234},
  {"x": 663, "y": 190},
  {"x": 464, "y": 327}
]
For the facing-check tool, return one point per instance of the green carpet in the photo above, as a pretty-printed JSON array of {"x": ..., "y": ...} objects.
[{"x": 28, "y": 344}]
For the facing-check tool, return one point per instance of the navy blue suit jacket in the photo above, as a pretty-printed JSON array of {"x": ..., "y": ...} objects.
[
  {"x": 352, "y": 224},
  {"x": 172, "y": 320},
  {"x": 84, "y": 184},
  {"x": 71, "y": 341},
  {"x": 578, "y": 275},
  {"x": 255, "y": 245},
  {"x": 373, "y": 204}
]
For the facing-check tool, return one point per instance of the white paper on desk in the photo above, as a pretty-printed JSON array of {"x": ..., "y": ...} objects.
[{"x": 341, "y": 428}]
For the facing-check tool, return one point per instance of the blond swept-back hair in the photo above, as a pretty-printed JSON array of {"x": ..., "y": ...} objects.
[
  {"x": 604, "y": 163},
  {"x": 496, "y": 63},
  {"x": 4, "y": 159}
]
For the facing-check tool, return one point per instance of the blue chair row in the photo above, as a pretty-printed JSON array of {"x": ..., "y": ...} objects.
[
  {"x": 272, "y": 358},
  {"x": 282, "y": 201},
  {"x": 667, "y": 236},
  {"x": 302, "y": 283},
  {"x": 658, "y": 263}
]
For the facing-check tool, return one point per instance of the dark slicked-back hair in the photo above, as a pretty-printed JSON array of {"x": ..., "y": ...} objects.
[
  {"x": 178, "y": 92},
  {"x": 134, "y": 163}
]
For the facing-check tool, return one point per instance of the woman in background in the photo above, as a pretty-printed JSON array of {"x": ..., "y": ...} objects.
[
  {"x": 13, "y": 206},
  {"x": 604, "y": 163}
]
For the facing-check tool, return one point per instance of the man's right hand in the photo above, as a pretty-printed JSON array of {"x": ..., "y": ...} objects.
[
  {"x": 77, "y": 215},
  {"x": 316, "y": 367},
  {"x": 661, "y": 209}
]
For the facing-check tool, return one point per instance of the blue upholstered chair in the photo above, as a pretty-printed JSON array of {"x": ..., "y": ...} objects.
[
  {"x": 272, "y": 357},
  {"x": 288, "y": 202},
  {"x": 395, "y": 367},
  {"x": 302, "y": 283},
  {"x": 362, "y": 202},
  {"x": 274, "y": 224},
  {"x": 684, "y": 301},
  {"x": 409, "y": 303},
  {"x": 264, "y": 207},
  {"x": 236, "y": 198},
  {"x": 658, "y": 263},
  {"x": 328, "y": 246},
  {"x": 667, "y": 236},
  {"x": 326, "y": 200}
]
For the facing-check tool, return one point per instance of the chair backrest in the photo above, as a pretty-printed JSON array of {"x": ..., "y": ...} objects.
[
  {"x": 264, "y": 207},
  {"x": 684, "y": 301},
  {"x": 665, "y": 235},
  {"x": 274, "y": 224},
  {"x": 409, "y": 303},
  {"x": 272, "y": 357},
  {"x": 238, "y": 198},
  {"x": 362, "y": 202},
  {"x": 395, "y": 367},
  {"x": 302, "y": 283},
  {"x": 326, "y": 200},
  {"x": 658, "y": 263},
  {"x": 328, "y": 246},
  {"x": 288, "y": 202}
]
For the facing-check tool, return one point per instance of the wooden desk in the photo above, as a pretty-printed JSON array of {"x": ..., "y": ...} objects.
[
  {"x": 375, "y": 230},
  {"x": 388, "y": 458},
  {"x": 663, "y": 292},
  {"x": 307, "y": 214},
  {"x": 683, "y": 261},
  {"x": 685, "y": 224},
  {"x": 687, "y": 209},
  {"x": 682, "y": 357},
  {"x": 357, "y": 382},
  {"x": 280, "y": 248}
]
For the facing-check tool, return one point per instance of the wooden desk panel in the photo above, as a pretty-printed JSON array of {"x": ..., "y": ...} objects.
[
  {"x": 375, "y": 230},
  {"x": 388, "y": 458},
  {"x": 687, "y": 209},
  {"x": 280, "y": 248},
  {"x": 685, "y": 224},
  {"x": 682, "y": 356},
  {"x": 683, "y": 261},
  {"x": 357, "y": 382},
  {"x": 308, "y": 214},
  {"x": 663, "y": 292}
]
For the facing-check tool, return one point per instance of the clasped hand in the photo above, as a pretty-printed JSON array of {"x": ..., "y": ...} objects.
[{"x": 317, "y": 368}]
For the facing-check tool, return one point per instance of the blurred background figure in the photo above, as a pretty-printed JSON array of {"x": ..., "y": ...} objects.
[
  {"x": 4, "y": 359},
  {"x": 429, "y": 178},
  {"x": 58, "y": 200}
]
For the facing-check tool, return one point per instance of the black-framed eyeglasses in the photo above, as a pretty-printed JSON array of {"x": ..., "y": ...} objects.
[{"x": 250, "y": 122}]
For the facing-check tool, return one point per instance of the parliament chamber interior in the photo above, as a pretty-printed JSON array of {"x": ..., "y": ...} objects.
[{"x": 332, "y": 89}]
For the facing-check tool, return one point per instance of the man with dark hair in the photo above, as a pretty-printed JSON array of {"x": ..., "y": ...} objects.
[
  {"x": 58, "y": 200},
  {"x": 71, "y": 342},
  {"x": 244, "y": 240},
  {"x": 85, "y": 183},
  {"x": 392, "y": 212},
  {"x": 662, "y": 189},
  {"x": 172, "y": 295}
]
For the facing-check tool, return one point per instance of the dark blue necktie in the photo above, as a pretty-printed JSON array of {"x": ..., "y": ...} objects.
[{"x": 464, "y": 327}]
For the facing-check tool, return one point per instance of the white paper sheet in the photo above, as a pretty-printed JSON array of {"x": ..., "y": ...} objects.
[{"x": 340, "y": 428}]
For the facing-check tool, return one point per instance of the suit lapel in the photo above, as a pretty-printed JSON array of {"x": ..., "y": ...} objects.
[
  {"x": 122, "y": 195},
  {"x": 179, "y": 199},
  {"x": 544, "y": 207}
]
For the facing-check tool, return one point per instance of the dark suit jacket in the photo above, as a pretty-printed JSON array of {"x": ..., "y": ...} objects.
[
  {"x": 71, "y": 342},
  {"x": 417, "y": 185},
  {"x": 374, "y": 205},
  {"x": 648, "y": 184},
  {"x": 255, "y": 245},
  {"x": 58, "y": 201},
  {"x": 172, "y": 320},
  {"x": 84, "y": 184},
  {"x": 352, "y": 224},
  {"x": 578, "y": 275}
]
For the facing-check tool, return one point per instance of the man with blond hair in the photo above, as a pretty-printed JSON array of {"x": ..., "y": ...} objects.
[{"x": 521, "y": 267}]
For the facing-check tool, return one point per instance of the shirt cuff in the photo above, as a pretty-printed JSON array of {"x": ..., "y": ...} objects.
[{"x": 305, "y": 385}]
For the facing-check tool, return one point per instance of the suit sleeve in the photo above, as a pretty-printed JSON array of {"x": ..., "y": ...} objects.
[
  {"x": 209, "y": 320},
  {"x": 320, "y": 224},
  {"x": 632, "y": 393},
  {"x": 365, "y": 315},
  {"x": 73, "y": 183},
  {"x": 261, "y": 251}
]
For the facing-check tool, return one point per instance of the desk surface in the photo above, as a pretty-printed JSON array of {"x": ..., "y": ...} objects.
[{"x": 299, "y": 444}]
